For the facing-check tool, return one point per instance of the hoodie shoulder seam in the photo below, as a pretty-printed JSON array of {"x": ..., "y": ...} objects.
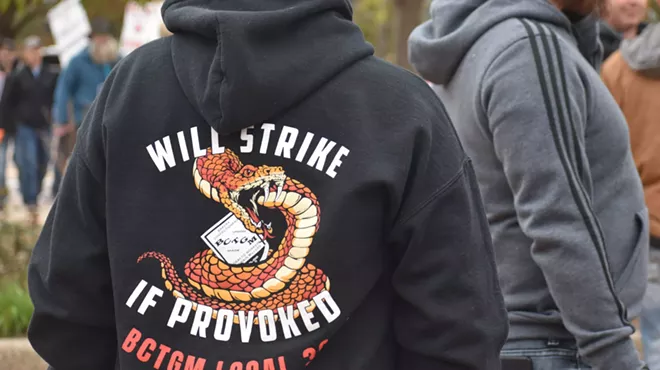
[
  {"x": 495, "y": 59},
  {"x": 524, "y": 37}
]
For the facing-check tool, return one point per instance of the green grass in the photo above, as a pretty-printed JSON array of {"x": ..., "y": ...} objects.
[
  {"x": 15, "y": 310},
  {"x": 16, "y": 243}
]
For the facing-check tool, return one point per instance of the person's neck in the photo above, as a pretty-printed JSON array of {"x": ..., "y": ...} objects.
[
  {"x": 630, "y": 33},
  {"x": 34, "y": 66},
  {"x": 576, "y": 11}
]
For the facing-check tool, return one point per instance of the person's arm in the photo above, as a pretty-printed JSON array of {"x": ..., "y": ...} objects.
[
  {"x": 538, "y": 136},
  {"x": 73, "y": 325},
  {"x": 8, "y": 102},
  {"x": 64, "y": 93},
  {"x": 448, "y": 312}
]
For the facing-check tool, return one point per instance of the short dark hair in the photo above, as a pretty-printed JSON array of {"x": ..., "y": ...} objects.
[
  {"x": 100, "y": 26},
  {"x": 7, "y": 43}
]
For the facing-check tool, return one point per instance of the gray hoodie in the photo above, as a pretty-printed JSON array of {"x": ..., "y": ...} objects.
[
  {"x": 550, "y": 147},
  {"x": 642, "y": 53}
]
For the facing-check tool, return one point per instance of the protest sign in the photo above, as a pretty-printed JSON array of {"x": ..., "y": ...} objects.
[{"x": 70, "y": 28}]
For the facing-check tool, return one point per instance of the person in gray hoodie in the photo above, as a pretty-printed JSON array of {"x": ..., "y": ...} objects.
[
  {"x": 564, "y": 202},
  {"x": 633, "y": 76}
]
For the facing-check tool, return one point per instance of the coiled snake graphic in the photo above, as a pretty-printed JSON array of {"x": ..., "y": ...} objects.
[{"x": 284, "y": 278}]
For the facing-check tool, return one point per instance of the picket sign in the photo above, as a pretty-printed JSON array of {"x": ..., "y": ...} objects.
[
  {"x": 141, "y": 25},
  {"x": 70, "y": 28}
]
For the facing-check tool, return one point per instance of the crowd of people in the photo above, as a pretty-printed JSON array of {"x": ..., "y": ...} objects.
[
  {"x": 42, "y": 105},
  {"x": 509, "y": 218}
]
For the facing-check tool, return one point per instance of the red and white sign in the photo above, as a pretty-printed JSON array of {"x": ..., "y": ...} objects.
[{"x": 141, "y": 25}]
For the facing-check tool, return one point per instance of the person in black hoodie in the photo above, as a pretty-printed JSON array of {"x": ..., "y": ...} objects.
[
  {"x": 26, "y": 103},
  {"x": 8, "y": 63},
  {"x": 259, "y": 191}
]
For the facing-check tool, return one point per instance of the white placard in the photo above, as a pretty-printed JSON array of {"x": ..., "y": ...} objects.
[
  {"x": 141, "y": 25},
  {"x": 234, "y": 244},
  {"x": 70, "y": 28}
]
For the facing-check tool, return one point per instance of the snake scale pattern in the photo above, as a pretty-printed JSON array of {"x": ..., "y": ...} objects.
[{"x": 284, "y": 278}]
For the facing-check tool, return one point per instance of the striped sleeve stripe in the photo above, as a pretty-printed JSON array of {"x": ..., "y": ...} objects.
[
  {"x": 577, "y": 142},
  {"x": 561, "y": 134}
]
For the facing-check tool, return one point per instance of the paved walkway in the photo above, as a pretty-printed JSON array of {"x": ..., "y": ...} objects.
[{"x": 17, "y": 354}]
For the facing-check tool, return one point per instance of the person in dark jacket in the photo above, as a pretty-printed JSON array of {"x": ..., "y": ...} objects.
[
  {"x": 259, "y": 191},
  {"x": 28, "y": 100},
  {"x": 8, "y": 63}
]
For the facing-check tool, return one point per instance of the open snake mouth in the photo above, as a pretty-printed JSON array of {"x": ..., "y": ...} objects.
[{"x": 247, "y": 199}]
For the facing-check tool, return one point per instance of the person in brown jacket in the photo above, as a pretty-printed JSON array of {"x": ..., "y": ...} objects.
[{"x": 633, "y": 76}]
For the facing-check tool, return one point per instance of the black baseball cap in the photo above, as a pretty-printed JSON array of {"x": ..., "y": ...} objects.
[{"x": 100, "y": 26}]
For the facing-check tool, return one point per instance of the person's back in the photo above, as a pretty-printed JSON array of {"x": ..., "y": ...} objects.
[
  {"x": 563, "y": 200},
  {"x": 633, "y": 77},
  {"x": 270, "y": 199}
]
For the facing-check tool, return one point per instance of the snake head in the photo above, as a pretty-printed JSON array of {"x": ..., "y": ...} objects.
[{"x": 251, "y": 183}]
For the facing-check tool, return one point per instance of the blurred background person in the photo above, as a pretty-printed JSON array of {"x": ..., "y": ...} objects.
[
  {"x": 8, "y": 62},
  {"x": 78, "y": 86},
  {"x": 8, "y": 56},
  {"x": 633, "y": 76},
  {"x": 27, "y": 100},
  {"x": 621, "y": 19}
]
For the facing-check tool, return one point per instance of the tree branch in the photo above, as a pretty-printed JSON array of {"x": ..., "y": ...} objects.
[
  {"x": 29, "y": 16},
  {"x": 6, "y": 20}
]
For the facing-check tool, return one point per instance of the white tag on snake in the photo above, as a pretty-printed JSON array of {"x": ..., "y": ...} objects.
[{"x": 234, "y": 244}]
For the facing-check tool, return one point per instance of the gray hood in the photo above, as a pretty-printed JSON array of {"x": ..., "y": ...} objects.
[
  {"x": 643, "y": 52},
  {"x": 437, "y": 47}
]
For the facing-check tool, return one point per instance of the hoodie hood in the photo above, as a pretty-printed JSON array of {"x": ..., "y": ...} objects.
[
  {"x": 437, "y": 47},
  {"x": 244, "y": 62},
  {"x": 610, "y": 38},
  {"x": 643, "y": 52}
]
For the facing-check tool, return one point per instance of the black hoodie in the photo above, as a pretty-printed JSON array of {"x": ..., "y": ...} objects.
[{"x": 260, "y": 192}]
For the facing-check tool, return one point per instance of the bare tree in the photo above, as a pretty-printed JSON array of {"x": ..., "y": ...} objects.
[
  {"x": 16, "y": 14},
  {"x": 406, "y": 17}
]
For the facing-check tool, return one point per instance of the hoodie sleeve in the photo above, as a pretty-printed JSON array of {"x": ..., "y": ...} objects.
[
  {"x": 73, "y": 325},
  {"x": 64, "y": 94},
  {"x": 535, "y": 112},
  {"x": 449, "y": 311}
]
